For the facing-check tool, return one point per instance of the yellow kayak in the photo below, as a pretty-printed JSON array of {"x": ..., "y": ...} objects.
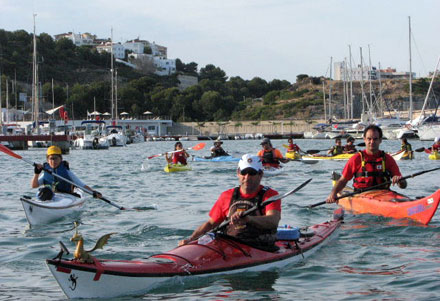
[
  {"x": 293, "y": 155},
  {"x": 403, "y": 155},
  {"x": 434, "y": 156},
  {"x": 337, "y": 157},
  {"x": 176, "y": 167}
]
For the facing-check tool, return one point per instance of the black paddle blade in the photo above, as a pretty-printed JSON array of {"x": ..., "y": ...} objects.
[
  {"x": 314, "y": 151},
  {"x": 361, "y": 144},
  {"x": 419, "y": 150}
]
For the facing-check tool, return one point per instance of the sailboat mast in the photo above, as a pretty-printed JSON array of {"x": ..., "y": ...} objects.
[
  {"x": 410, "y": 72},
  {"x": 325, "y": 107},
  {"x": 351, "y": 84},
  {"x": 112, "y": 75},
  {"x": 422, "y": 114},
  {"x": 35, "y": 96},
  {"x": 330, "y": 91},
  {"x": 7, "y": 101},
  {"x": 116, "y": 95},
  {"x": 370, "y": 71},
  {"x": 362, "y": 83}
]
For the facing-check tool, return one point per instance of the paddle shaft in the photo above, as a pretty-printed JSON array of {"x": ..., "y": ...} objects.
[
  {"x": 196, "y": 147},
  {"x": 262, "y": 205},
  {"x": 374, "y": 187},
  {"x": 12, "y": 154}
]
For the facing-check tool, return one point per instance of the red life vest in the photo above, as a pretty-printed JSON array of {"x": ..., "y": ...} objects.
[
  {"x": 373, "y": 172},
  {"x": 179, "y": 157},
  {"x": 293, "y": 148},
  {"x": 436, "y": 147}
]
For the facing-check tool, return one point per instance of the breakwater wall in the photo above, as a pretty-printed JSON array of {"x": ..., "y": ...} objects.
[{"x": 267, "y": 127}]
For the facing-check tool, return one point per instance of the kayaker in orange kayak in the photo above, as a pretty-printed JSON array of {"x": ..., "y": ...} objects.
[
  {"x": 349, "y": 148},
  {"x": 270, "y": 155},
  {"x": 369, "y": 167},
  {"x": 336, "y": 149},
  {"x": 436, "y": 146},
  {"x": 177, "y": 157},
  {"x": 257, "y": 229}
]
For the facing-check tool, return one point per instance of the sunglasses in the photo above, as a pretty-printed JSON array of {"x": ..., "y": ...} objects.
[{"x": 249, "y": 171}]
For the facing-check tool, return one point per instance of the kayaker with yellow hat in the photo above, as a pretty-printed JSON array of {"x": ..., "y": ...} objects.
[{"x": 56, "y": 165}]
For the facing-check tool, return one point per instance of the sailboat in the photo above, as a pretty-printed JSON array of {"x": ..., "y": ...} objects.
[
  {"x": 116, "y": 134},
  {"x": 429, "y": 127}
]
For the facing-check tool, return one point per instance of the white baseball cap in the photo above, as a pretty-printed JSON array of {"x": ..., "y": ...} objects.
[{"x": 251, "y": 161}]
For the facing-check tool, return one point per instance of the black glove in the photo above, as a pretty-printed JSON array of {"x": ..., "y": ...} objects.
[
  {"x": 37, "y": 170},
  {"x": 95, "y": 194}
]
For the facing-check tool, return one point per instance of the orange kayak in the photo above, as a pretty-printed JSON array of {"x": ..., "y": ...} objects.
[{"x": 389, "y": 203}]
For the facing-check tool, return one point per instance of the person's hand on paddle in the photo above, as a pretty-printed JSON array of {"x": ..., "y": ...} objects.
[
  {"x": 96, "y": 194},
  {"x": 237, "y": 219},
  {"x": 398, "y": 180},
  {"x": 331, "y": 198},
  {"x": 38, "y": 168}
]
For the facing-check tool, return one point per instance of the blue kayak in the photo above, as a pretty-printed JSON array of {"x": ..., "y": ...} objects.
[{"x": 216, "y": 159}]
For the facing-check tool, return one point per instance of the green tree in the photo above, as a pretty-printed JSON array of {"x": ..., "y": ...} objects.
[{"x": 212, "y": 72}]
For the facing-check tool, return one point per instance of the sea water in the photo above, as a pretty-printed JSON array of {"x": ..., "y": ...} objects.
[{"x": 369, "y": 258}]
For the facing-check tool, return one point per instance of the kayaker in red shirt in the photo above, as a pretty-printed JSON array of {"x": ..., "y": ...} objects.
[
  {"x": 369, "y": 167},
  {"x": 270, "y": 155},
  {"x": 436, "y": 146},
  {"x": 177, "y": 157},
  {"x": 257, "y": 229}
]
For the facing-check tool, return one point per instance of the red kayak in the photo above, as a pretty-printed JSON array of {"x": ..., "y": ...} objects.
[
  {"x": 210, "y": 255},
  {"x": 389, "y": 203}
]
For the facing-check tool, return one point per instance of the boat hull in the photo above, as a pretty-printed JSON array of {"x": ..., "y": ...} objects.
[
  {"x": 434, "y": 156},
  {"x": 216, "y": 159},
  {"x": 42, "y": 212},
  {"x": 389, "y": 203},
  {"x": 112, "y": 278},
  {"x": 176, "y": 168},
  {"x": 341, "y": 157},
  {"x": 293, "y": 155}
]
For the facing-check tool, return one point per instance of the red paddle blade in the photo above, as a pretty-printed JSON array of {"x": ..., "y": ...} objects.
[
  {"x": 9, "y": 152},
  {"x": 153, "y": 156},
  {"x": 199, "y": 146}
]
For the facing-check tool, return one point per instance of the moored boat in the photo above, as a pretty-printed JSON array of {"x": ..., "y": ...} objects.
[
  {"x": 62, "y": 204},
  {"x": 389, "y": 203},
  {"x": 176, "y": 167},
  {"x": 211, "y": 255}
]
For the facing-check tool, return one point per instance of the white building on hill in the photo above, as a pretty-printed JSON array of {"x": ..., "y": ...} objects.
[
  {"x": 118, "y": 49},
  {"x": 79, "y": 39}
]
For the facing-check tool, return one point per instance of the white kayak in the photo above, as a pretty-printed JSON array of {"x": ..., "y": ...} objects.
[{"x": 62, "y": 204}]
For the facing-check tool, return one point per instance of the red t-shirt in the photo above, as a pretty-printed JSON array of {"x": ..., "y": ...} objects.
[
  {"x": 354, "y": 165},
  {"x": 436, "y": 147},
  {"x": 293, "y": 148},
  {"x": 179, "y": 157},
  {"x": 220, "y": 210}
]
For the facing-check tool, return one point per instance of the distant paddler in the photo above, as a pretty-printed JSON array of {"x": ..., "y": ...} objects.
[
  {"x": 293, "y": 150},
  {"x": 271, "y": 156},
  {"x": 336, "y": 149},
  {"x": 350, "y": 148},
  {"x": 217, "y": 149},
  {"x": 179, "y": 155},
  {"x": 56, "y": 165},
  {"x": 436, "y": 146}
]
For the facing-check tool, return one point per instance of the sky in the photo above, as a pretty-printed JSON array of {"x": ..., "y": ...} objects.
[{"x": 271, "y": 39}]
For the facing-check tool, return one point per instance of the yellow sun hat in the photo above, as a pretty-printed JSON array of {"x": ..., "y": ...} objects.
[{"x": 54, "y": 150}]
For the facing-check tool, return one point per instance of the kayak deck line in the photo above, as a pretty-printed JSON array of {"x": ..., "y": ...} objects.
[{"x": 33, "y": 203}]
